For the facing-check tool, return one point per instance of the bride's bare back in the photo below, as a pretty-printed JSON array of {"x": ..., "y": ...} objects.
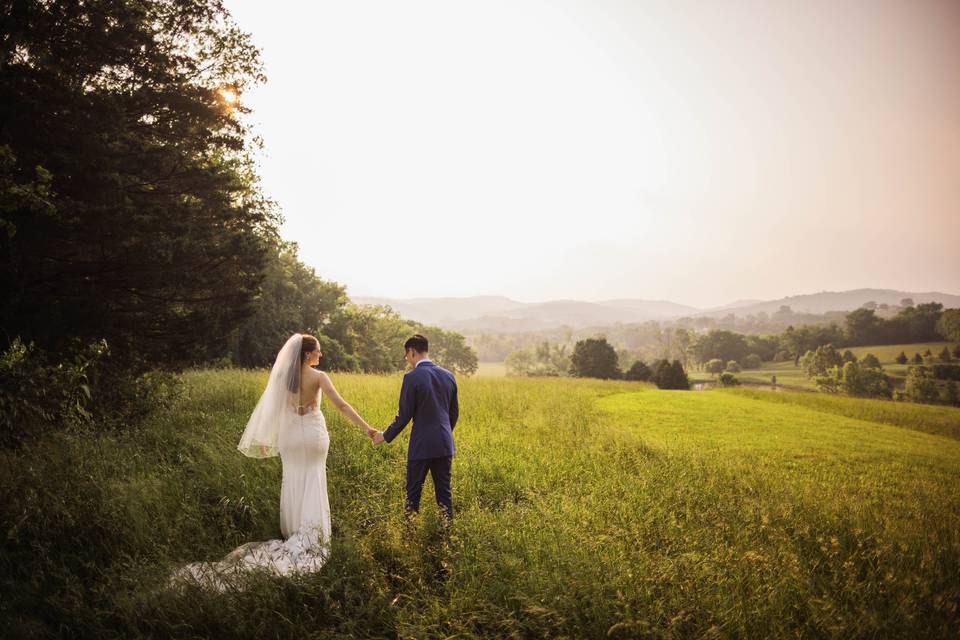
[{"x": 310, "y": 382}]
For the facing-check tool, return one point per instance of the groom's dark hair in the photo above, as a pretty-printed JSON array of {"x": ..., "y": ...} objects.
[{"x": 416, "y": 342}]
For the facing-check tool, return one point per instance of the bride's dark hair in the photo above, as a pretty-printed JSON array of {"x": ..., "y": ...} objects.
[{"x": 307, "y": 345}]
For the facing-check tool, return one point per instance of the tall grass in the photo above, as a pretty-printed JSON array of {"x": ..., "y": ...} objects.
[{"x": 584, "y": 509}]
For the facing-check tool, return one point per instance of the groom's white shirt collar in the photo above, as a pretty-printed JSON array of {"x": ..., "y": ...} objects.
[{"x": 425, "y": 360}]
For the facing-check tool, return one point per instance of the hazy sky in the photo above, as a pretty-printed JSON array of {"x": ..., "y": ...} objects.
[{"x": 693, "y": 151}]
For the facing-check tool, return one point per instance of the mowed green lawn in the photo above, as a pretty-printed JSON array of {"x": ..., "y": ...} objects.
[{"x": 585, "y": 509}]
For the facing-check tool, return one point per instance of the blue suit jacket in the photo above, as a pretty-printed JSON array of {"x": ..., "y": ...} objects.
[{"x": 429, "y": 397}]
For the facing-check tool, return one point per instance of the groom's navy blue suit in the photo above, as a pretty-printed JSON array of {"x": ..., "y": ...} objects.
[{"x": 428, "y": 396}]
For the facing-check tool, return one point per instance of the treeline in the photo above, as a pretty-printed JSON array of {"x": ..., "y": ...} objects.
[
  {"x": 134, "y": 236},
  {"x": 360, "y": 338},
  {"x": 873, "y": 324},
  {"x": 932, "y": 383},
  {"x": 593, "y": 358}
]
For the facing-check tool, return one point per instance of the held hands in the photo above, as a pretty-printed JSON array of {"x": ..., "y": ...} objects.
[{"x": 374, "y": 435}]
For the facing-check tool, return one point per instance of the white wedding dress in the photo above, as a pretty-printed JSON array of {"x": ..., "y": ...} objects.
[{"x": 303, "y": 442}]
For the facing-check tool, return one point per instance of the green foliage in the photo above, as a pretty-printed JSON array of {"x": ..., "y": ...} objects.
[
  {"x": 128, "y": 200},
  {"x": 670, "y": 376},
  {"x": 544, "y": 360},
  {"x": 727, "y": 379},
  {"x": 861, "y": 380},
  {"x": 594, "y": 358},
  {"x": 733, "y": 367},
  {"x": 638, "y": 371},
  {"x": 721, "y": 344},
  {"x": 819, "y": 362},
  {"x": 449, "y": 349},
  {"x": 293, "y": 299},
  {"x": 948, "y": 325},
  {"x": 753, "y": 361},
  {"x": 848, "y": 356},
  {"x": 944, "y": 355},
  {"x": 921, "y": 386},
  {"x": 902, "y": 358},
  {"x": 714, "y": 366},
  {"x": 952, "y": 396},
  {"x": 946, "y": 371},
  {"x": 870, "y": 361},
  {"x": 917, "y": 358}
]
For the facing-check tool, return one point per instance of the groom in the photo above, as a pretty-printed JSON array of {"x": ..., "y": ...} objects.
[{"x": 428, "y": 396}]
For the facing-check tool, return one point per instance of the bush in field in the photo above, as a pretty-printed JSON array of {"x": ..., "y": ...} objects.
[
  {"x": 782, "y": 356},
  {"x": 594, "y": 358},
  {"x": 863, "y": 381},
  {"x": 752, "y": 361},
  {"x": 946, "y": 371},
  {"x": 733, "y": 367},
  {"x": 714, "y": 367},
  {"x": 953, "y": 394},
  {"x": 871, "y": 361},
  {"x": 638, "y": 371},
  {"x": 671, "y": 376},
  {"x": 945, "y": 355},
  {"x": 902, "y": 358},
  {"x": 921, "y": 386},
  {"x": 948, "y": 325},
  {"x": 727, "y": 379},
  {"x": 917, "y": 358},
  {"x": 848, "y": 356},
  {"x": 819, "y": 362}
]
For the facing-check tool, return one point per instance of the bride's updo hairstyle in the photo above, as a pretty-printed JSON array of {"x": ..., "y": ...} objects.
[{"x": 309, "y": 345}]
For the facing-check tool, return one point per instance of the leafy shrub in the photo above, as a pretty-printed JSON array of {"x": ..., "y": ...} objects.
[
  {"x": 638, "y": 371},
  {"x": 727, "y": 379},
  {"x": 946, "y": 371},
  {"x": 733, "y": 366},
  {"x": 752, "y": 361}
]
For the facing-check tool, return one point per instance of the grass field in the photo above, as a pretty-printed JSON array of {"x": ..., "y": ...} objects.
[{"x": 585, "y": 509}]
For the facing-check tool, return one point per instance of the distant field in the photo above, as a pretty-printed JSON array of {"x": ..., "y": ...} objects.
[{"x": 492, "y": 370}]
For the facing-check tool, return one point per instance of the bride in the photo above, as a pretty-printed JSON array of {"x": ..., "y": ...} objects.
[{"x": 287, "y": 421}]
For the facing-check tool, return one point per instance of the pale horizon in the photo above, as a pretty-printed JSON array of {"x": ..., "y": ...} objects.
[{"x": 601, "y": 150}]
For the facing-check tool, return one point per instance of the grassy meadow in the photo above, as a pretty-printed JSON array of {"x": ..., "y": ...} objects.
[{"x": 584, "y": 509}]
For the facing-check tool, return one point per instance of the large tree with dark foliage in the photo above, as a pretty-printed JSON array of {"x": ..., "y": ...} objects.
[
  {"x": 594, "y": 358},
  {"x": 129, "y": 209}
]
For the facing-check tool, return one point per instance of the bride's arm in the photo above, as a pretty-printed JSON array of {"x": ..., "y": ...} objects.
[{"x": 328, "y": 389}]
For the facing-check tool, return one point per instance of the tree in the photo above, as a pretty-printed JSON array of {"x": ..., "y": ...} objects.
[
  {"x": 594, "y": 358},
  {"x": 714, "y": 366},
  {"x": 752, "y": 361},
  {"x": 948, "y": 325},
  {"x": 848, "y": 356},
  {"x": 920, "y": 386},
  {"x": 902, "y": 358},
  {"x": 906, "y": 302},
  {"x": 945, "y": 355},
  {"x": 819, "y": 362},
  {"x": 639, "y": 371},
  {"x": 870, "y": 361},
  {"x": 863, "y": 326},
  {"x": 129, "y": 205},
  {"x": 672, "y": 376},
  {"x": 857, "y": 379},
  {"x": 953, "y": 394},
  {"x": 733, "y": 366},
  {"x": 520, "y": 362},
  {"x": 722, "y": 344},
  {"x": 727, "y": 379},
  {"x": 917, "y": 358}
]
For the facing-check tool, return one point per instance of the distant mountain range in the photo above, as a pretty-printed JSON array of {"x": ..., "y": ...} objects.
[{"x": 501, "y": 314}]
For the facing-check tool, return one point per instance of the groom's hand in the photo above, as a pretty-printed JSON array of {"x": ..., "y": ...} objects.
[{"x": 377, "y": 437}]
